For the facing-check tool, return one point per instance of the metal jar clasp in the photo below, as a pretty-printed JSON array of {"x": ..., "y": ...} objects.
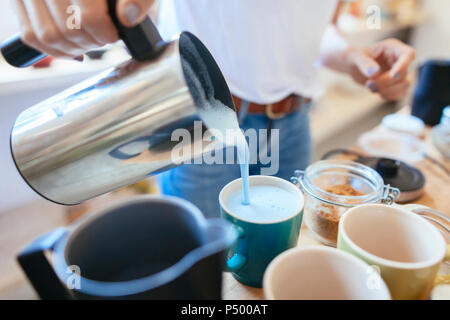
[
  {"x": 389, "y": 194},
  {"x": 297, "y": 178}
]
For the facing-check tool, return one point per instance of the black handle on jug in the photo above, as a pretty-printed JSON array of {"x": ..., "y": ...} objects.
[
  {"x": 143, "y": 41},
  {"x": 39, "y": 271}
]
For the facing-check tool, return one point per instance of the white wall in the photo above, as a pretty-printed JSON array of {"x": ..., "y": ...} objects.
[
  {"x": 432, "y": 39},
  {"x": 14, "y": 98},
  {"x": 9, "y": 24}
]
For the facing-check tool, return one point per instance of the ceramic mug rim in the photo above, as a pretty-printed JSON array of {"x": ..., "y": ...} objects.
[
  {"x": 387, "y": 262},
  {"x": 267, "y": 287},
  {"x": 238, "y": 182}
]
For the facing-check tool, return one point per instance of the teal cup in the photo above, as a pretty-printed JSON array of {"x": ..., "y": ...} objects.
[{"x": 259, "y": 243}]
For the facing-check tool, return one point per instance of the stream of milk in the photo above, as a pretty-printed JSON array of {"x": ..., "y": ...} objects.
[
  {"x": 218, "y": 116},
  {"x": 224, "y": 120}
]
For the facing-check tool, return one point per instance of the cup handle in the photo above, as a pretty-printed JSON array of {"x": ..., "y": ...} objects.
[
  {"x": 38, "y": 269},
  {"x": 238, "y": 259},
  {"x": 236, "y": 262},
  {"x": 438, "y": 219},
  {"x": 444, "y": 278},
  {"x": 442, "y": 222}
]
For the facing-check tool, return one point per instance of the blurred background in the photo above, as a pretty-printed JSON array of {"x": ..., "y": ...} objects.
[{"x": 341, "y": 112}]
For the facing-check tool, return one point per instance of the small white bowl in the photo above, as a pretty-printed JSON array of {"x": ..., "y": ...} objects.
[
  {"x": 404, "y": 123},
  {"x": 390, "y": 144}
]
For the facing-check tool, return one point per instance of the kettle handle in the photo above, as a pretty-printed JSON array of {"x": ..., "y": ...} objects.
[
  {"x": 39, "y": 271},
  {"x": 143, "y": 41}
]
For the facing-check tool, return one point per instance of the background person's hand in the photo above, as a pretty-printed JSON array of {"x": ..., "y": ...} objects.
[
  {"x": 383, "y": 68},
  {"x": 44, "y": 24}
]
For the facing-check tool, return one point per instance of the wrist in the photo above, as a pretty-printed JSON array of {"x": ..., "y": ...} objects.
[
  {"x": 335, "y": 50},
  {"x": 350, "y": 57}
]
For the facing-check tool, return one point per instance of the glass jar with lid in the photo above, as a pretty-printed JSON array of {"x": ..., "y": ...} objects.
[{"x": 331, "y": 187}]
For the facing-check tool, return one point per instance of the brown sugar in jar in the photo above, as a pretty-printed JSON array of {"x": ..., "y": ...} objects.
[
  {"x": 324, "y": 218},
  {"x": 344, "y": 190},
  {"x": 331, "y": 187}
]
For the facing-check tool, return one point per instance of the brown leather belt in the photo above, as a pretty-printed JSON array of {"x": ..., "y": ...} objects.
[{"x": 275, "y": 110}]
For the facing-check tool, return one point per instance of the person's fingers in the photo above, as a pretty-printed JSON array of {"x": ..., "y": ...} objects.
[
  {"x": 133, "y": 12},
  {"x": 46, "y": 29},
  {"x": 69, "y": 24},
  {"x": 402, "y": 63},
  {"x": 358, "y": 77},
  {"x": 395, "y": 92},
  {"x": 393, "y": 55},
  {"x": 384, "y": 81},
  {"x": 95, "y": 21},
  {"x": 399, "y": 75},
  {"x": 28, "y": 34},
  {"x": 365, "y": 64}
]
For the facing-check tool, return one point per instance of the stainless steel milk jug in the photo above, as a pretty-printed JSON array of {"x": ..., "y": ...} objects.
[{"x": 81, "y": 143}]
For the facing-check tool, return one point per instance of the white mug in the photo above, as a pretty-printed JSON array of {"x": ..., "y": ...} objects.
[{"x": 322, "y": 273}]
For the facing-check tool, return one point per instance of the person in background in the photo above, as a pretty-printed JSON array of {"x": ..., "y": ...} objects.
[{"x": 269, "y": 52}]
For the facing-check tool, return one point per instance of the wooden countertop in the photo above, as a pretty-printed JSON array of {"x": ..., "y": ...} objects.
[{"x": 436, "y": 196}]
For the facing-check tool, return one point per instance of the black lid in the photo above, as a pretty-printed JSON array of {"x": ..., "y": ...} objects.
[{"x": 396, "y": 173}]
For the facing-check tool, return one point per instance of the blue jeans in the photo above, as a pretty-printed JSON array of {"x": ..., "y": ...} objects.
[{"x": 201, "y": 183}]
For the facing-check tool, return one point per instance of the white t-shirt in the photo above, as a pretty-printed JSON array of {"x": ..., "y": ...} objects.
[{"x": 266, "y": 49}]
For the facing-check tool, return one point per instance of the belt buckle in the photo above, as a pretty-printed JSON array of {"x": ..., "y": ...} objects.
[{"x": 272, "y": 115}]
